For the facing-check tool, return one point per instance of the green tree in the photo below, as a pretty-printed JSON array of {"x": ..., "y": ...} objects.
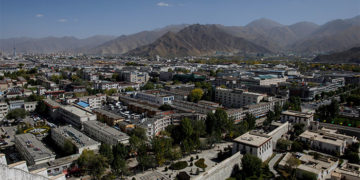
[
  {"x": 16, "y": 113},
  {"x": 128, "y": 89},
  {"x": 251, "y": 120},
  {"x": 69, "y": 147},
  {"x": 186, "y": 127},
  {"x": 162, "y": 149},
  {"x": 93, "y": 164},
  {"x": 120, "y": 150},
  {"x": 166, "y": 107},
  {"x": 148, "y": 86},
  {"x": 119, "y": 166},
  {"x": 195, "y": 95},
  {"x": 251, "y": 165},
  {"x": 106, "y": 151}
]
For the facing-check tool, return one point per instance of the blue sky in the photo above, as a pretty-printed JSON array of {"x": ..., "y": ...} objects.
[{"x": 84, "y": 18}]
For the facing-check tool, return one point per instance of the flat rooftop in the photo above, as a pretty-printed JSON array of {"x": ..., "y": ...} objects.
[
  {"x": 76, "y": 137},
  {"x": 297, "y": 114},
  {"x": 107, "y": 130},
  {"x": 77, "y": 111},
  {"x": 34, "y": 147},
  {"x": 322, "y": 138},
  {"x": 107, "y": 113},
  {"x": 252, "y": 139}
]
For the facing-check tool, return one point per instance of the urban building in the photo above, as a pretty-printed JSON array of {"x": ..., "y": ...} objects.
[
  {"x": 104, "y": 133},
  {"x": 32, "y": 150},
  {"x": 155, "y": 96},
  {"x": 110, "y": 118},
  {"x": 75, "y": 116},
  {"x": 20, "y": 170},
  {"x": 236, "y": 98},
  {"x": 257, "y": 144},
  {"x": 67, "y": 133},
  {"x": 295, "y": 117}
]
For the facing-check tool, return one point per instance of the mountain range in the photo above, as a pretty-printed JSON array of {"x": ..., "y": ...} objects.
[
  {"x": 349, "y": 56},
  {"x": 259, "y": 36}
]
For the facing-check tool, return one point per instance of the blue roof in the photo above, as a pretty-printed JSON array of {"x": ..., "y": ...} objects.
[{"x": 83, "y": 104}]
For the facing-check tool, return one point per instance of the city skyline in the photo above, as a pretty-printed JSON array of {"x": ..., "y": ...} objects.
[{"x": 84, "y": 19}]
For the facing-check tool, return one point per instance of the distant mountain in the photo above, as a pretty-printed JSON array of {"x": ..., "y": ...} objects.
[
  {"x": 123, "y": 44},
  {"x": 333, "y": 36},
  {"x": 301, "y": 38},
  {"x": 198, "y": 40},
  {"x": 51, "y": 44},
  {"x": 350, "y": 56}
]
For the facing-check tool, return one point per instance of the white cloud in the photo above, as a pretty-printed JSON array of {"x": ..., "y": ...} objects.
[
  {"x": 39, "y": 15},
  {"x": 62, "y": 20},
  {"x": 163, "y": 4}
]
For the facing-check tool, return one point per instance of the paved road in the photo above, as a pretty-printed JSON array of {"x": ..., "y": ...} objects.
[{"x": 272, "y": 163}]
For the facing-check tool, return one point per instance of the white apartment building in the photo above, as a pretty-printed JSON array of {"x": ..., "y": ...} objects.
[
  {"x": 105, "y": 85},
  {"x": 80, "y": 140},
  {"x": 256, "y": 144},
  {"x": 295, "y": 117},
  {"x": 135, "y": 76},
  {"x": 95, "y": 101},
  {"x": 236, "y": 98},
  {"x": 30, "y": 106},
  {"x": 325, "y": 143},
  {"x": 20, "y": 170},
  {"x": 193, "y": 107},
  {"x": 4, "y": 109},
  {"x": 104, "y": 133},
  {"x": 155, "y": 97},
  {"x": 32, "y": 150},
  {"x": 75, "y": 116}
]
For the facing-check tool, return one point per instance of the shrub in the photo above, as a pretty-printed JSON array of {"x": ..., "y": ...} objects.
[
  {"x": 201, "y": 163},
  {"x": 179, "y": 165}
]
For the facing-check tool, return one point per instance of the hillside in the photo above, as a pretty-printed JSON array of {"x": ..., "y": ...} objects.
[
  {"x": 350, "y": 56},
  {"x": 198, "y": 40}
]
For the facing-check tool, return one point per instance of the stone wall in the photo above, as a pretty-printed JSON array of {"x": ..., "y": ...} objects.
[{"x": 222, "y": 170}]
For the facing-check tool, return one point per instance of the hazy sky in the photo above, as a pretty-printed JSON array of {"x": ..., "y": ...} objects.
[{"x": 84, "y": 18}]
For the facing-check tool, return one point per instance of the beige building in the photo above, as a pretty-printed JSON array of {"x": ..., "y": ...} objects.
[
  {"x": 77, "y": 138},
  {"x": 75, "y": 116},
  {"x": 104, "y": 133},
  {"x": 295, "y": 117},
  {"x": 324, "y": 142},
  {"x": 346, "y": 171},
  {"x": 236, "y": 98},
  {"x": 254, "y": 143},
  {"x": 33, "y": 151}
]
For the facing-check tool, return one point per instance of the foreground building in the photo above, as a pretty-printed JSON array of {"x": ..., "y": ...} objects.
[
  {"x": 257, "y": 144},
  {"x": 19, "y": 170},
  {"x": 81, "y": 141},
  {"x": 33, "y": 150}
]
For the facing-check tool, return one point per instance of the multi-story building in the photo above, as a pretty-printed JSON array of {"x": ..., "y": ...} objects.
[
  {"x": 17, "y": 104},
  {"x": 105, "y": 85},
  {"x": 155, "y": 96},
  {"x": 67, "y": 133},
  {"x": 253, "y": 143},
  {"x": 104, "y": 133},
  {"x": 237, "y": 98},
  {"x": 75, "y": 115},
  {"x": 33, "y": 151},
  {"x": 295, "y": 117},
  {"x": 20, "y": 170},
  {"x": 348, "y": 171},
  {"x": 110, "y": 118},
  {"x": 187, "y": 106},
  {"x": 3, "y": 109},
  {"x": 30, "y": 106},
  {"x": 325, "y": 143},
  {"x": 94, "y": 102},
  {"x": 135, "y": 76}
]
